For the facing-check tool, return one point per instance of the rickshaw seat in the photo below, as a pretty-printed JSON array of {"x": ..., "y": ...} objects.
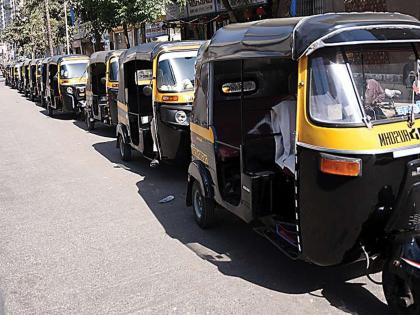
[{"x": 226, "y": 153}]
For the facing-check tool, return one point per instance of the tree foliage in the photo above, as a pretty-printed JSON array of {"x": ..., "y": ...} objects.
[{"x": 28, "y": 33}]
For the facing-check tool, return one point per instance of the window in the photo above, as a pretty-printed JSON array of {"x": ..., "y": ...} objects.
[
  {"x": 113, "y": 70},
  {"x": 72, "y": 70},
  {"x": 176, "y": 71},
  {"x": 375, "y": 81}
]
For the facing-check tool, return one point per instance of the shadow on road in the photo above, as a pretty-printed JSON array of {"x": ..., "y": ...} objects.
[
  {"x": 236, "y": 250},
  {"x": 99, "y": 130},
  {"x": 59, "y": 115}
]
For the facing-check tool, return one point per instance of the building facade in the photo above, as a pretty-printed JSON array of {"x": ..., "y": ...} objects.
[
  {"x": 7, "y": 12},
  {"x": 199, "y": 19}
]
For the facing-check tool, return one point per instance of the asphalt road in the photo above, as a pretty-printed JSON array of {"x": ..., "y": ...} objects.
[{"x": 82, "y": 233}]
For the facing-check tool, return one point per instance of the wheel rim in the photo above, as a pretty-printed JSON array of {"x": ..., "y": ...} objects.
[
  {"x": 198, "y": 204},
  {"x": 394, "y": 291}
]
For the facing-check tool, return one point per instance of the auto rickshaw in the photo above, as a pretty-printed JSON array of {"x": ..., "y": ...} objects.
[
  {"x": 7, "y": 74},
  {"x": 19, "y": 76},
  {"x": 102, "y": 89},
  {"x": 26, "y": 77},
  {"x": 155, "y": 100},
  {"x": 66, "y": 83},
  {"x": 43, "y": 66},
  {"x": 309, "y": 128},
  {"x": 33, "y": 74},
  {"x": 15, "y": 73}
]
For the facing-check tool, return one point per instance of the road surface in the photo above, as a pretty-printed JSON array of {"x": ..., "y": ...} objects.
[{"x": 82, "y": 233}]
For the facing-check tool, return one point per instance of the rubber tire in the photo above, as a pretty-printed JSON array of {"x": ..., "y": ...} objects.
[
  {"x": 391, "y": 285},
  {"x": 90, "y": 125},
  {"x": 50, "y": 110},
  {"x": 125, "y": 149},
  {"x": 203, "y": 208}
]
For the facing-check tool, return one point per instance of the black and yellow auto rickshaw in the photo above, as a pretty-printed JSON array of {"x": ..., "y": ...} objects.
[
  {"x": 33, "y": 88},
  {"x": 19, "y": 76},
  {"x": 155, "y": 100},
  {"x": 26, "y": 77},
  {"x": 7, "y": 70},
  {"x": 66, "y": 83},
  {"x": 102, "y": 89},
  {"x": 310, "y": 129},
  {"x": 43, "y": 82}
]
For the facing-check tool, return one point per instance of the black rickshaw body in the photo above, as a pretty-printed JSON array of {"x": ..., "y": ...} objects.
[
  {"x": 352, "y": 188},
  {"x": 26, "y": 76},
  {"x": 19, "y": 76},
  {"x": 66, "y": 78},
  {"x": 43, "y": 82},
  {"x": 7, "y": 74},
  {"x": 33, "y": 78},
  {"x": 155, "y": 98},
  {"x": 102, "y": 87}
]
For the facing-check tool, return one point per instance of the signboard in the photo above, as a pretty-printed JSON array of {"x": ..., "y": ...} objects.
[
  {"x": 175, "y": 12},
  {"x": 199, "y": 7},
  {"x": 239, "y": 3},
  {"x": 143, "y": 77},
  {"x": 155, "y": 30}
]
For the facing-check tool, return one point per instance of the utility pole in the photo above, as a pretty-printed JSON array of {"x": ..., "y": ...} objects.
[
  {"x": 67, "y": 28},
  {"x": 47, "y": 14}
]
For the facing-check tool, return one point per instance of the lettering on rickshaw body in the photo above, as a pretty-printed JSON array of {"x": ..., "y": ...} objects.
[{"x": 399, "y": 136}]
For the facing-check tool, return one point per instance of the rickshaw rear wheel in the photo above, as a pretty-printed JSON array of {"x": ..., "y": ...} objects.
[
  {"x": 401, "y": 298},
  {"x": 203, "y": 208},
  {"x": 90, "y": 125},
  {"x": 125, "y": 149},
  {"x": 50, "y": 110}
]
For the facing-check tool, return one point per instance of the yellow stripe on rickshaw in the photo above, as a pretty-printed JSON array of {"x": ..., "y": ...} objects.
[{"x": 206, "y": 133}]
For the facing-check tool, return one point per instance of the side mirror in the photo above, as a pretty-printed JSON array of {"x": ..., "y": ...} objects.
[
  {"x": 103, "y": 81},
  {"x": 147, "y": 90}
]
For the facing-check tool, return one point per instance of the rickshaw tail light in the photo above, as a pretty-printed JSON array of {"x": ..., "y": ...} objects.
[
  {"x": 167, "y": 98},
  {"x": 337, "y": 165}
]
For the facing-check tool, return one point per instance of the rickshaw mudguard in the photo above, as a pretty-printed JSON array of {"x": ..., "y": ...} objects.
[
  {"x": 122, "y": 130},
  {"x": 198, "y": 172}
]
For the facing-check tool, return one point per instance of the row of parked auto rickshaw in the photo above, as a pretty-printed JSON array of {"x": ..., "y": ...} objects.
[{"x": 305, "y": 127}]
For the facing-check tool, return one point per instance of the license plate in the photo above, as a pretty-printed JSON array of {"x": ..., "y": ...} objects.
[{"x": 406, "y": 109}]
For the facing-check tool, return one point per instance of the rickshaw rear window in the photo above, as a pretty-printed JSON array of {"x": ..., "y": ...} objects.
[
  {"x": 375, "y": 35},
  {"x": 377, "y": 82},
  {"x": 113, "y": 71}
]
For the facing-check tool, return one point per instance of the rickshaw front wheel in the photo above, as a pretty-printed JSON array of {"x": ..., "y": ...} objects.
[
  {"x": 89, "y": 124},
  {"x": 50, "y": 110},
  {"x": 203, "y": 208},
  {"x": 402, "y": 298},
  {"x": 125, "y": 149}
]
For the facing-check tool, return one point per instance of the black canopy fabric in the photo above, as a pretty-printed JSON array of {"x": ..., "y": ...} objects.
[
  {"x": 293, "y": 37},
  {"x": 104, "y": 56},
  {"x": 58, "y": 59},
  {"x": 34, "y": 62},
  {"x": 147, "y": 52}
]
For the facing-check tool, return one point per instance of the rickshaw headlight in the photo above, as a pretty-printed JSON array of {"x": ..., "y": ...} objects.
[
  {"x": 180, "y": 117},
  {"x": 69, "y": 90},
  {"x": 338, "y": 165}
]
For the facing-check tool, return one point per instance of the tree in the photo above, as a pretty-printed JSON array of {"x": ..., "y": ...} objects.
[
  {"x": 133, "y": 12},
  {"x": 28, "y": 30},
  {"x": 97, "y": 17}
]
